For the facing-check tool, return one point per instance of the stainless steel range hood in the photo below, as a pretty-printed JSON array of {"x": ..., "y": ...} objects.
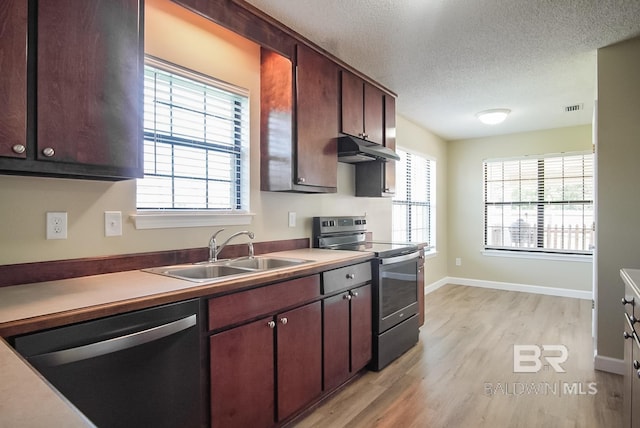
[{"x": 354, "y": 150}]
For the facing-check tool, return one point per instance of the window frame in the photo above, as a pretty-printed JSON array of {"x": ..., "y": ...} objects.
[
  {"x": 539, "y": 203},
  {"x": 145, "y": 218}
]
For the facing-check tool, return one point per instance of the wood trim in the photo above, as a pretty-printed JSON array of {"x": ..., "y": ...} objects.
[{"x": 26, "y": 273}]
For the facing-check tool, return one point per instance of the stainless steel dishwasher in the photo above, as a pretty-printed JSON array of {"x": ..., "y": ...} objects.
[{"x": 139, "y": 369}]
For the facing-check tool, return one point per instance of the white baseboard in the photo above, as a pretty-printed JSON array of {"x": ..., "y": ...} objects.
[
  {"x": 525, "y": 288},
  {"x": 608, "y": 364},
  {"x": 434, "y": 286}
]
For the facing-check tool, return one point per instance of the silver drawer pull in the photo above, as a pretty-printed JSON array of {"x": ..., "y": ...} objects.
[
  {"x": 19, "y": 149},
  {"x": 48, "y": 152},
  {"x": 284, "y": 321},
  {"x": 354, "y": 293},
  {"x": 351, "y": 276},
  {"x": 347, "y": 296},
  {"x": 271, "y": 324}
]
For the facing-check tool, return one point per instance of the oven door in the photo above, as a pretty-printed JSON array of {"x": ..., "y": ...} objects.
[{"x": 397, "y": 290}]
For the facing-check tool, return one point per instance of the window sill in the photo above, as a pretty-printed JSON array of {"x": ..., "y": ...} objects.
[
  {"x": 174, "y": 219},
  {"x": 584, "y": 258}
]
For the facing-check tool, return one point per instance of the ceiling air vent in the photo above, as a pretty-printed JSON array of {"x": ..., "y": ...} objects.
[{"x": 575, "y": 107}]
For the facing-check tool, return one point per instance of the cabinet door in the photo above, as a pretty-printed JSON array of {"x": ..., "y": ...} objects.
[
  {"x": 336, "y": 340},
  {"x": 390, "y": 142},
  {"x": 13, "y": 78},
  {"x": 373, "y": 113},
  {"x": 88, "y": 82},
  {"x": 352, "y": 104},
  {"x": 634, "y": 391},
  {"x": 242, "y": 376},
  {"x": 317, "y": 119},
  {"x": 361, "y": 327},
  {"x": 299, "y": 339},
  {"x": 421, "y": 291}
]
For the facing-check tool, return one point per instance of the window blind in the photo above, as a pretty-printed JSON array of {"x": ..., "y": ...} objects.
[
  {"x": 195, "y": 142},
  {"x": 540, "y": 203},
  {"x": 413, "y": 217}
]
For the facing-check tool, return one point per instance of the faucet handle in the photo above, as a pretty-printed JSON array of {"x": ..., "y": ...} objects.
[{"x": 216, "y": 233}]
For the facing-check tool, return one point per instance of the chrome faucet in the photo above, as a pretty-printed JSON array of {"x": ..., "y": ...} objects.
[{"x": 214, "y": 249}]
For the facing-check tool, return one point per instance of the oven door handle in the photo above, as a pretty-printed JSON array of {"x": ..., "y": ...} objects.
[{"x": 400, "y": 259}]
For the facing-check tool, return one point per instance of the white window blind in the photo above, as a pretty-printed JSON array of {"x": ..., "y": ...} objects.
[
  {"x": 196, "y": 138},
  {"x": 413, "y": 203},
  {"x": 540, "y": 203}
]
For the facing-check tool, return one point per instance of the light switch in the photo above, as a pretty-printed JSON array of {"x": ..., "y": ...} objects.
[{"x": 112, "y": 223}]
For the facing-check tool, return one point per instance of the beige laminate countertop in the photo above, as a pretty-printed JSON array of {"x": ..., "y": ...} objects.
[
  {"x": 632, "y": 278},
  {"x": 27, "y": 400}
]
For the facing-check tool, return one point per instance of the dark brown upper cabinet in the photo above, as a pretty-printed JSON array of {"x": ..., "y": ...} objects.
[
  {"x": 378, "y": 179},
  {"x": 84, "y": 109},
  {"x": 299, "y": 105},
  {"x": 362, "y": 107},
  {"x": 13, "y": 78}
]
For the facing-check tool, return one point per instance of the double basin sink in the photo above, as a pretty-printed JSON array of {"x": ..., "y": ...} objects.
[{"x": 224, "y": 269}]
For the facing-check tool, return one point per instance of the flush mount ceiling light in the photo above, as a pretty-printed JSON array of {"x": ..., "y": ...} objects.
[{"x": 493, "y": 117}]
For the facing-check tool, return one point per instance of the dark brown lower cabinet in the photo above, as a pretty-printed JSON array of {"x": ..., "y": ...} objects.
[
  {"x": 347, "y": 335},
  {"x": 244, "y": 368},
  {"x": 299, "y": 339},
  {"x": 242, "y": 376}
]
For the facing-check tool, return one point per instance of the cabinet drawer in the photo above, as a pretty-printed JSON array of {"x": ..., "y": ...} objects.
[
  {"x": 346, "y": 277},
  {"x": 245, "y": 305}
]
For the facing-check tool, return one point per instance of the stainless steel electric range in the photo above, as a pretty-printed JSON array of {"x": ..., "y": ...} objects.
[{"x": 394, "y": 285}]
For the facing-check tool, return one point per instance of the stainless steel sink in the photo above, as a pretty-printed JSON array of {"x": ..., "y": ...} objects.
[
  {"x": 199, "y": 273},
  {"x": 264, "y": 263},
  {"x": 224, "y": 269}
]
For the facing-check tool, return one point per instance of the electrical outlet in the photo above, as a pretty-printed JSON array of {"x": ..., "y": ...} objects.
[
  {"x": 292, "y": 219},
  {"x": 56, "y": 225},
  {"x": 112, "y": 223},
  {"x": 458, "y": 261}
]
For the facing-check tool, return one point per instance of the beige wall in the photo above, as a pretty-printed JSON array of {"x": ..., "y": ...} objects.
[
  {"x": 465, "y": 210},
  {"x": 618, "y": 191},
  {"x": 187, "y": 39},
  {"x": 413, "y": 138}
]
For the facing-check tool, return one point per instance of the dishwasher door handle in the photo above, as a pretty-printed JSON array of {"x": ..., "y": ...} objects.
[{"x": 84, "y": 352}]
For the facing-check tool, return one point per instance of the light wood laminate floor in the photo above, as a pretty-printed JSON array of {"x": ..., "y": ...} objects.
[{"x": 461, "y": 373}]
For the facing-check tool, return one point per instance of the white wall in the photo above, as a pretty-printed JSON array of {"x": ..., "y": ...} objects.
[
  {"x": 618, "y": 208},
  {"x": 466, "y": 211}
]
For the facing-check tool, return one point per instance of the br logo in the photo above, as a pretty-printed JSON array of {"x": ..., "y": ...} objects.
[{"x": 528, "y": 358}]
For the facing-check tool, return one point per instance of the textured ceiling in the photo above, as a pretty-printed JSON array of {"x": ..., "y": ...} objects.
[{"x": 449, "y": 59}]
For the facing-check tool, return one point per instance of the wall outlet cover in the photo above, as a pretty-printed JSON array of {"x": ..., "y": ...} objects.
[{"x": 56, "y": 225}]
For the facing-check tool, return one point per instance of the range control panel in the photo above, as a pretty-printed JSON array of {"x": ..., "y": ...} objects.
[{"x": 323, "y": 226}]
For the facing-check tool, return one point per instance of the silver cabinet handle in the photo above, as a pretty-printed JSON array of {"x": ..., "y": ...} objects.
[
  {"x": 347, "y": 296},
  {"x": 354, "y": 293},
  {"x": 284, "y": 321},
  {"x": 301, "y": 180},
  {"x": 19, "y": 148},
  {"x": 626, "y": 301},
  {"x": 351, "y": 276},
  {"x": 48, "y": 152},
  {"x": 633, "y": 320},
  {"x": 626, "y": 335},
  {"x": 636, "y": 364},
  {"x": 271, "y": 324},
  {"x": 110, "y": 346},
  {"x": 638, "y": 373}
]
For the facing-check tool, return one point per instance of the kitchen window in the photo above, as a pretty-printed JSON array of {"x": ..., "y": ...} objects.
[
  {"x": 539, "y": 204},
  {"x": 414, "y": 201},
  {"x": 196, "y": 141}
]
